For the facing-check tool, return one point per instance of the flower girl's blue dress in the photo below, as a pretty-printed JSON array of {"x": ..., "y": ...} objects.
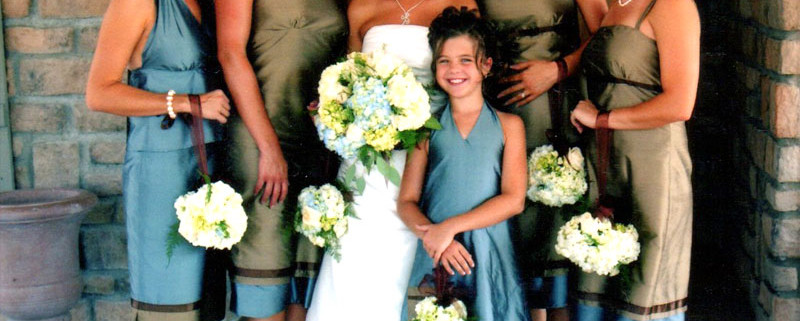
[{"x": 462, "y": 173}]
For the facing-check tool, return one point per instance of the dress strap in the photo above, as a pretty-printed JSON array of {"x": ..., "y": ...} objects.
[{"x": 645, "y": 13}]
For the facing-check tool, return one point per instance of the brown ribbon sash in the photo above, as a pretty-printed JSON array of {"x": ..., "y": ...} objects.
[
  {"x": 556, "y": 99},
  {"x": 198, "y": 138},
  {"x": 603, "y": 136}
]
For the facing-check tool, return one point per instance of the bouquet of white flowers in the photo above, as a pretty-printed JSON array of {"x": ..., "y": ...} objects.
[
  {"x": 322, "y": 215},
  {"x": 211, "y": 216},
  {"x": 429, "y": 310},
  {"x": 597, "y": 245},
  {"x": 368, "y": 104},
  {"x": 556, "y": 180}
]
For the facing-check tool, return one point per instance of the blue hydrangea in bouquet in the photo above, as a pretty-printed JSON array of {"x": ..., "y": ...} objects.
[{"x": 369, "y": 104}]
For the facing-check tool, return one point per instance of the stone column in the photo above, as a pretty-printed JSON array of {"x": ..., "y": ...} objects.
[{"x": 766, "y": 35}]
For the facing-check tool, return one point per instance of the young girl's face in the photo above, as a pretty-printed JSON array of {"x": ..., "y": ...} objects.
[{"x": 457, "y": 71}]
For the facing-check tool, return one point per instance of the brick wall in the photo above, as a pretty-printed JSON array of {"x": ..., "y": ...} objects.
[
  {"x": 766, "y": 57},
  {"x": 58, "y": 142}
]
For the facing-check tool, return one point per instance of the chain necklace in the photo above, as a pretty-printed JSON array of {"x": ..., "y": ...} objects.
[
  {"x": 405, "y": 17},
  {"x": 623, "y": 3}
]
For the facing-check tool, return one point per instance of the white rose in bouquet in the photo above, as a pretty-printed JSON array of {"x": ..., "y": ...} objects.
[
  {"x": 596, "y": 245},
  {"x": 556, "y": 180}
]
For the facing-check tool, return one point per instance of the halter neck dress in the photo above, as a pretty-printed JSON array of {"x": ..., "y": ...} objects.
[
  {"x": 650, "y": 175},
  {"x": 544, "y": 30},
  {"x": 160, "y": 164},
  {"x": 462, "y": 173}
]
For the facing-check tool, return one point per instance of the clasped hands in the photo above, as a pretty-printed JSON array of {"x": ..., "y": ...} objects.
[{"x": 438, "y": 240}]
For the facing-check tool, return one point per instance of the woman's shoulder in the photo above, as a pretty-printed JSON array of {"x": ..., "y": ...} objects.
[
  {"x": 667, "y": 11},
  {"x": 509, "y": 122},
  {"x": 141, "y": 9}
]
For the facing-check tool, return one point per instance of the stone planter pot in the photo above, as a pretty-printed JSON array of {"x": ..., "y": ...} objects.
[{"x": 39, "y": 270}]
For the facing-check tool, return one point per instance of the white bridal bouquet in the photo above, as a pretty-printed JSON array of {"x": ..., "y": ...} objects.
[
  {"x": 368, "y": 104},
  {"x": 597, "y": 245},
  {"x": 322, "y": 215},
  {"x": 429, "y": 310},
  {"x": 556, "y": 180},
  {"x": 211, "y": 216}
]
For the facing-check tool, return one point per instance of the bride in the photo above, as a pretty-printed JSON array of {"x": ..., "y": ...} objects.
[{"x": 371, "y": 279}]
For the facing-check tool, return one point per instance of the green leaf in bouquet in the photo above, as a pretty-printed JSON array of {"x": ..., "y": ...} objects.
[
  {"x": 367, "y": 156},
  {"x": 349, "y": 211},
  {"x": 408, "y": 138},
  {"x": 349, "y": 175},
  {"x": 360, "y": 185},
  {"x": 207, "y": 180},
  {"x": 174, "y": 239},
  {"x": 433, "y": 123},
  {"x": 388, "y": 171}
]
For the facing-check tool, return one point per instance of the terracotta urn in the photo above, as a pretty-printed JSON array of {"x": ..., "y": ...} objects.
[{"x": 39, "y": 270}]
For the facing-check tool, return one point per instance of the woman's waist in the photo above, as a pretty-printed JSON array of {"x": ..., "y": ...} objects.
[
  {"x": 663, "y": 139},
  {"x": 188, "y": 81},
  {"x": 146, "y": 134}
]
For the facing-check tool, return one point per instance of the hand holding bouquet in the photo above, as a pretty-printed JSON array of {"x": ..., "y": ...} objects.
[
  {"x": 322, "y": 215},
  {"x": 556, "y": 180},
  {"x": 597, "y": 245},
  {"x": 211, "y": 216}
]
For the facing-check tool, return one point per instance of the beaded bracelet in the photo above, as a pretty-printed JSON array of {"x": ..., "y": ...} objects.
[{"x": 170, "y": 110}]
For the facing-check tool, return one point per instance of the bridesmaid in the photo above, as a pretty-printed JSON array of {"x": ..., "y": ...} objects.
[
  {"x": 547, "y": 34},
  {"x": 273, "y": 147},
  {"x": 642, "y": 68},
  {"x": 168, "y": 48}
]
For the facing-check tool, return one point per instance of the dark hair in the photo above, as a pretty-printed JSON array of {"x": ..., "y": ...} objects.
[{"x": 453, "y": 23}]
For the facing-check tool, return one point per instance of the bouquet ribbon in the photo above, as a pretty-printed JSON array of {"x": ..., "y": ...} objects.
[
  {"x": 603, "y": 135},
  {"x": 198, "y": 138},
  {"x": 556, "y": 99}
]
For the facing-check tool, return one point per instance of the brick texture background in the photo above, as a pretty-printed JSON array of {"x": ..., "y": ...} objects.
[
  {"x": 751, "y": 111},
  {"x": 765, "y": 53},
  {"x": 58, "y": 142}
]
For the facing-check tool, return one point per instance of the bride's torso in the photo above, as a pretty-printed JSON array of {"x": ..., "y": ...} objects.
[
  {"x": 409, "y": 43},
  {"x": 378, "y": 235}
]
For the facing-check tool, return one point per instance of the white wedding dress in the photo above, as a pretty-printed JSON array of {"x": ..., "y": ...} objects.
[{"x": 371, "y": 279}]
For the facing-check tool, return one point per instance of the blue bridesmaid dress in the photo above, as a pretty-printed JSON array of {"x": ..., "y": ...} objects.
[{"x": 160, "y": 164}]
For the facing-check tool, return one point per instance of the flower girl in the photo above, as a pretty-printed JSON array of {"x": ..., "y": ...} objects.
[{"x": 462, "y": 184}]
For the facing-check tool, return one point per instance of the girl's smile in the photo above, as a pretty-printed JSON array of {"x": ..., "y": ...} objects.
[{"x": 457, "y": 71}]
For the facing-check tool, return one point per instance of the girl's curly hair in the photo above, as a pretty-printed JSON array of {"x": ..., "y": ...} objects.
[{"x": 454, "y": 22}]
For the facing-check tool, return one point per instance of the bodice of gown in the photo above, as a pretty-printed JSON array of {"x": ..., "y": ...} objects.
[
  {"x": 544, "y": 29},
  {"x": 180, "y": 54},
  {"x": 407, "y": 42},
  {"x": 621, "y": 66}
]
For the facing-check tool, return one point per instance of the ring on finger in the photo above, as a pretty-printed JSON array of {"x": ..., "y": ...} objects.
[{"x": 522, "y": 95}]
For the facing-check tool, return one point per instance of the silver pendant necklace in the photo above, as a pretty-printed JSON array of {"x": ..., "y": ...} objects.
[
  {"x": 405, "y": 18},
  {"x": 623, "y": 3}
]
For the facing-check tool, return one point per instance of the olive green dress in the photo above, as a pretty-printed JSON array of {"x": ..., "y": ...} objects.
[
  {"x": 291, "y": 42},
  {"x": 544, "y": 30},
  {"x": 649, "y": 175}
]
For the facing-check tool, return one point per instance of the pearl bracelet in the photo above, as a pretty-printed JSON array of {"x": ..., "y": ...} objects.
[{"x": 170, "y": 110}]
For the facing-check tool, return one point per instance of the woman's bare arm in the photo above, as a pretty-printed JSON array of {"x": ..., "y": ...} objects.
[{"x": 233, "y": 32}]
